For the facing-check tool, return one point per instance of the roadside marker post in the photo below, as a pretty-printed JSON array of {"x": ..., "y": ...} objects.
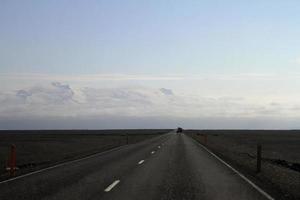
[
  {"x": 12, "y": 161},
  {"x": 258, "y": 159}
]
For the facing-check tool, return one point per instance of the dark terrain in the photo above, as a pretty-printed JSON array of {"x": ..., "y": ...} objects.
[
  {"x": 280, "y": 156},
  {"x": 171, "y": 166},
  {"x": 39, "y": 149},
  {"x": 176, "y": 164}
]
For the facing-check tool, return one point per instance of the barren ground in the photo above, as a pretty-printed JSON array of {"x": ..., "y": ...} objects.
[
  {"x": 39, "y": 149},
  {"x": 280, "y": 152}
]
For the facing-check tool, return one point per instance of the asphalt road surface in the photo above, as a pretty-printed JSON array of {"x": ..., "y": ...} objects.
[{"x": 172, "y": 166}]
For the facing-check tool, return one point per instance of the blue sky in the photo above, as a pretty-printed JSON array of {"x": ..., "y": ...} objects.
[
  {"x": 157, "y": 37},
  {"x": 201, "y": 50}
]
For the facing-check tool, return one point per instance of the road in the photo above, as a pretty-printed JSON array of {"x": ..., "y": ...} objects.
[{"x": 172, "y": 166}]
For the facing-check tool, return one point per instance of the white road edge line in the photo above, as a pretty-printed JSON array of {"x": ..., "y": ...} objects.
[
  {"x": 152, "y": 152},
  {"x": 141, "y": 162},
  {"x": 238, "y": 173},
  {"x": 111, "y": 186}
]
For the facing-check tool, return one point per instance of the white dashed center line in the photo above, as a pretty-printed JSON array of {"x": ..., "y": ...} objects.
[
  {"x": 152, "y": 152},
  {"x": 141, "y": 162},
  {"x": 159, "y": 147},
  {"x": 109, "y": 188}
]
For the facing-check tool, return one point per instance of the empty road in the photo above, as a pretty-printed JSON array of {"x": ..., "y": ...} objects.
[{"x": 172, "y": 166}]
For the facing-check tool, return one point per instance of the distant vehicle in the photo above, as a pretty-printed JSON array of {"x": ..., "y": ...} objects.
[{"x": 179, "y": 130}]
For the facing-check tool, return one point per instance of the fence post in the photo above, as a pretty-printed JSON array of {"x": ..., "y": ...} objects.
[
  {"x": 258, "y": 159},
  {"x": 205, "y": 139},
  {"x": 12, "y": 160}
]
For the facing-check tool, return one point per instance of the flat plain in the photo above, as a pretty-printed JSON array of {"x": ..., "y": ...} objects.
[
  {"x": 280, "y": 174},
  {"x": 38, "y": 149},
  {"x": 280, "y": 156}
]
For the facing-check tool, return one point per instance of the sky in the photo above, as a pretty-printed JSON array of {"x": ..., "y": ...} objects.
[{"x": 149, "y": 64}]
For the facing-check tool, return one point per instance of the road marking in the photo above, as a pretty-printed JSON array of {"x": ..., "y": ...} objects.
[
  {"x": 152, "y": 152},
  {"x": 238, "y": 173},
  {"x": 111, "y": 186},
  {"x": 141, "y": 162},
  {"x": 159, "y": 147}
]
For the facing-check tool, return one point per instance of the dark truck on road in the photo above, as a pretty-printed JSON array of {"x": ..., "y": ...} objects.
[{"x": 179, "y": 130}]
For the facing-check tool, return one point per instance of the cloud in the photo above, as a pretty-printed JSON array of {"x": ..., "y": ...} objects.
[
  {"x": 33, "y": 77},
  {"x": 59, "y": 101},
  {"x": 23, "y": 94},
  {"x": 297, "y": 61},
  {"x": 90, "y": 77},
  {"x": 56, "y": 93},
  {"x": 166, "y": 91}
]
